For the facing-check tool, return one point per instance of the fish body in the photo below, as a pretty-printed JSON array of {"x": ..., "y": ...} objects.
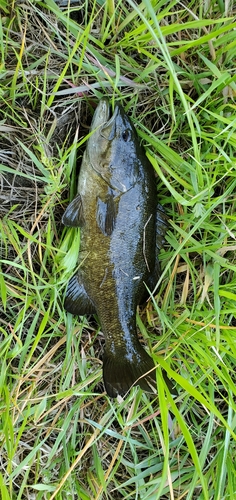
[{"x": 116, "y": 209}]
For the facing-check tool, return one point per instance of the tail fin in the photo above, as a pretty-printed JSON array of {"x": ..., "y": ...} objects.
[{"x": 120, "y": 372}]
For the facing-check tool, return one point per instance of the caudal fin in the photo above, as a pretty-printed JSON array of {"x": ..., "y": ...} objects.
[{"x": 121, "y": 371}]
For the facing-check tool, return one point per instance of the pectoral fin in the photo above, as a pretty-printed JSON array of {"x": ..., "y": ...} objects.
[
  {"x": 106, "y": 214},
  {"x": 77, "y": 300},
  {"x": 73, "y": 215}
]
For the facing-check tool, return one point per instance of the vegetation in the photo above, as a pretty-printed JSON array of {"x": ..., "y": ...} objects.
[{"x": 172, "y": 66}]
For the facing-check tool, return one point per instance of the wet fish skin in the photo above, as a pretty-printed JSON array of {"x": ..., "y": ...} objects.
[{"x": 116, "y": 209}]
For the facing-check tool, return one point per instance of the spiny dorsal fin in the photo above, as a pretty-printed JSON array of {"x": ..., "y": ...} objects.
[{"x": 161, "y": 226}]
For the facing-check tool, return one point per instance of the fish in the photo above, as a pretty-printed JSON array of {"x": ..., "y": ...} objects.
[{"x": 122, "y": 229}]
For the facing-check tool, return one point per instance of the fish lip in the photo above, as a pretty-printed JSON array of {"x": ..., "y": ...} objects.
[
  {"x": 102, "y": 118},
  {"x": 112, "y": 118}
]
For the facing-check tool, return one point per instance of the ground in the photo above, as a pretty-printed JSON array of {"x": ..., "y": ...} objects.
[{"x": 171, "y": 64}]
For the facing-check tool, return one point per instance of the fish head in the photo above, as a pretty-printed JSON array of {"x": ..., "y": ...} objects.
[{"x": 113, "y": 148}]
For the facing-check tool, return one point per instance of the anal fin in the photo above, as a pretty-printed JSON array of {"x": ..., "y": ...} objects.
[{"x": 77, "y": 300}]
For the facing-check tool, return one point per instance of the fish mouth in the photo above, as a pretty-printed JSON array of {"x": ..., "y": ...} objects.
[
  {"x": 102, "y": 116},
  {"x": 108, "y": 129},
  {"x": 102, "y": 130}
]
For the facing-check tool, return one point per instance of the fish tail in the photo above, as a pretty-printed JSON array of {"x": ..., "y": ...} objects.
[{"x": 121, "y": 371}]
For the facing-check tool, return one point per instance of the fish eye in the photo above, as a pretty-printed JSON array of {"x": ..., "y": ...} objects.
[{"x": 126, "y": 135}]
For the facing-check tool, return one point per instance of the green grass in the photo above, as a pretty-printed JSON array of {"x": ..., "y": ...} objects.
[{"x": 173, "y": 69}]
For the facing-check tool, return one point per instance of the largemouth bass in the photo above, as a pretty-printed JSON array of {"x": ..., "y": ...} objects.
[{"x": 122, "y": 230}]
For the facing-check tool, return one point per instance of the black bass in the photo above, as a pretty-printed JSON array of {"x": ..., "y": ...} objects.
[{"x": 122, "y": 229}]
